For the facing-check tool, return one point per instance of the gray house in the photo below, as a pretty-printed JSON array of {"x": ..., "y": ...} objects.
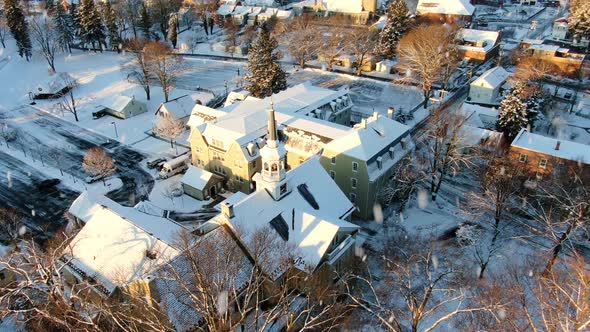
[
  {"x": 123, "y": 107},
  {"x": 200, "y": 184}
]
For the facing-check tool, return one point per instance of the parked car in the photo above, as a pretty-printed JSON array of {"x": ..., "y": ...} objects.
[
  {"x": 567, "y": 95},
  {"x": 46, "y": 184},
  {"x": 155, "y": 163}
]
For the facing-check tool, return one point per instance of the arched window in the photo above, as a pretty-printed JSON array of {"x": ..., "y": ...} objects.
[
  {"x": 266, "y": 167},
  {"x": 274, "y": 167}
]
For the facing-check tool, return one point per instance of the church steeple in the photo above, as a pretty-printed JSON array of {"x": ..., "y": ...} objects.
[{"x": 273, "y": 156}]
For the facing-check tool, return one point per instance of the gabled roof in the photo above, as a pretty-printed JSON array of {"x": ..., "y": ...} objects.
[
  {"x": 196, "y": 177},
  {"x": 201, "y": 114},
  {"x": 492, "y": 78},
  {"x": 366, "y": 143},
  {"x": 180, "y": 107},
  {"x": 117, "y": 245},
  {"x": 54, "y": 84},
  {"x": 119, "y": 103},
  {"x": 210, "y": 254},
  {"x": 449, "y": 7},
  {"x": 547, "y": 145},
  {"x": 309, "y": 231}
]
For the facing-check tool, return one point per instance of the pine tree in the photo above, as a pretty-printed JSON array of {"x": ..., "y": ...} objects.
[
  {"x": 145, "y": 24},
  {"x": 50, "y": 7},
  {"x": 533, "y": 97},
  {"x": 111, "y": 24},
  {"x": 512, "y": 116},
  {"x": 91, "y": 29},
  {"x": 173, "y": 31},
  {"x": 64, "y": 25},
  {"x": 265, "y": 74},
  {"x": 398, "y": 17},
  {"x": 15, "y": 19}
]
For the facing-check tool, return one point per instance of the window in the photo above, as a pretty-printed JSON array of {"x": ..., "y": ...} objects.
[
  {"x": 333, "y": 160},
  {"x": 283, "y": 188},
  {"x": 217, "y": 155},
  {"x": 523, "y": 158},
  {"x": 200, "y": 163},
  {"x": 332, "y": 174},
  {"x": 543, "y": 163},
  {"x": 217, "y": 143},
  {"x": 355, "y": 166},
  {"x": 352, "y": 197},
  {"x": 353, "y": 183}
]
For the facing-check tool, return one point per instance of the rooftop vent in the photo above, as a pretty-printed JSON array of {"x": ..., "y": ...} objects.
[
  {"x": 227, "y": 210},
  {"x": 280, "y": 226},
  {"x": 390, "y": 112},
  {"x": 304, "y": 191},
  {"x": 379, "y": 162},
  {"x": 557, "y": 145}
]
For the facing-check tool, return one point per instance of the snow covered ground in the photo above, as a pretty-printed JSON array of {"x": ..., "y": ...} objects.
[{"x": 163, "y": 196}]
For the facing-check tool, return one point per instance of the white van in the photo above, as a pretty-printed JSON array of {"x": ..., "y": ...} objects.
[{"x": 174, "y": 166}]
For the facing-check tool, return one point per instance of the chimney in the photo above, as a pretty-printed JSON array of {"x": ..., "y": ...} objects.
[
  {"x": 390, "y": 112},
  {"x": 293, "y": 219},
  {"x": 227, "y": 210},
  {"x": 557, "y": 145},
  {"x": 376, "y": 115},
  {"x": 364, "y": 124},
  {"x": 379, "y": 162}
]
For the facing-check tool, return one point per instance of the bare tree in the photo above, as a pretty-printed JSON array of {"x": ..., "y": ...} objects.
[
  {"x": 428, "y": 285},
  {"x": 361, "y": 43},
  {"x": 98, "y": 162},
  {"x": 139, "y": 70},
  {"x": 303, "y": 40},
  {"x": 164, "y": 65},
  {"x": 425, "y": 53},
  {"x": 442, "y": 150},
  {"x": 402, "y": 185},
  {"x": 44, "y": 33},
  {"x": 563, "y": 210},
  {"x": 219, "y": 283},
  {"x": 3, "y": 31},
  {"x": 11, "y": 225},
  {"x": 68, "y": 101},
  {"x": 500, "y": 181},
  {"x": 333, "y": 45},
  {"x": 58, "y": 156},
  {"x": 42, "y": 299},
  {"x": 231, "y": 30},
  {"x": 169, "y": 127}
]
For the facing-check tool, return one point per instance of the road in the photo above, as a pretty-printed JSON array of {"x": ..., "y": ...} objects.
[{"x": 44, "y": 135}]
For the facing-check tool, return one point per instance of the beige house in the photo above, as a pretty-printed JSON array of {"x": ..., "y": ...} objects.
[
  {"x": 118, "y": 247},
  {"x": 229, "y": 145},
  {"x": 362, "y": 161}
]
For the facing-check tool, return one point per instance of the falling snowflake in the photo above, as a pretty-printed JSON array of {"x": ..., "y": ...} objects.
[
  {"x": 378, "y": 213},
  {"x": 422, "y": 199},
  {"x": 222, "y": 301}
]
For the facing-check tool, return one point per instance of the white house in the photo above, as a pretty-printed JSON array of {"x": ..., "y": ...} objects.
[
  {"x": 560, "y": 29},
  {"x": 449, "y": 9},
  {"x": 488, "y": 87},
  {"x": 53, "y": 87},
  {"x": 179, "y": 108}
]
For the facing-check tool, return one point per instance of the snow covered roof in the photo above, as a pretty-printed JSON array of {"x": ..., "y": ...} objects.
[
  {"x": 309, "y": 231},
  {"x": 87, "y": 204},
  {"x": 209, "y": 254},
  {"x": 343, "y": 6},
  {"x": 54, "y": 84},
  {"x": 118, "y": 103},
  {"x": 479, "y": 116},
  {"x": 226, "y": 9},
  {"x": 475, "y": 38},
  {"x": 552, "y": 146},
  {"x": 202, "y": 114},
  {"x": 117, "y": 245},
  {"x": 480, "y": 137},
  {"x": 196, "y": 177},
  {"x": 180, "y": 107},
  {"x": 264, "y": 3},
  {"x": 545, "y": 47},
  {"x": 367, "y": 143},
  {"x": 448, "y": 7},
  {"x": 492, "y": 78}
]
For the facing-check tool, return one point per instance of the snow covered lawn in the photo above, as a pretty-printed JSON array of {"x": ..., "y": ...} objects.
[{"x": 167, "y": 194}]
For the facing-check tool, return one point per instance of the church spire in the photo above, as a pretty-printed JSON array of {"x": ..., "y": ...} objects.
[{"x": 272, "y": 124}]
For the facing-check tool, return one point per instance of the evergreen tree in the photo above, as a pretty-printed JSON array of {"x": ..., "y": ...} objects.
[
  {"x": 111, "y": 24},
  {"x": 50, "y": 7},
  {"x": 145, "y": 24},
  {"x": 173, "y": 31},
  {"x": 64, "y": 26},
  {"x": 91, "y": 29},
  {"x": 265, "y": 74},
  {"x": 15, "y": 19},
  {"x": 398, "y": 17},
  {"x": 533, "y": 97},
  {"x": 512, "y": 116}
]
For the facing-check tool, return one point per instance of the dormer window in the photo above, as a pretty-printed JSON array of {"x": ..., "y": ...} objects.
[{"x": 391, "y": 152}]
